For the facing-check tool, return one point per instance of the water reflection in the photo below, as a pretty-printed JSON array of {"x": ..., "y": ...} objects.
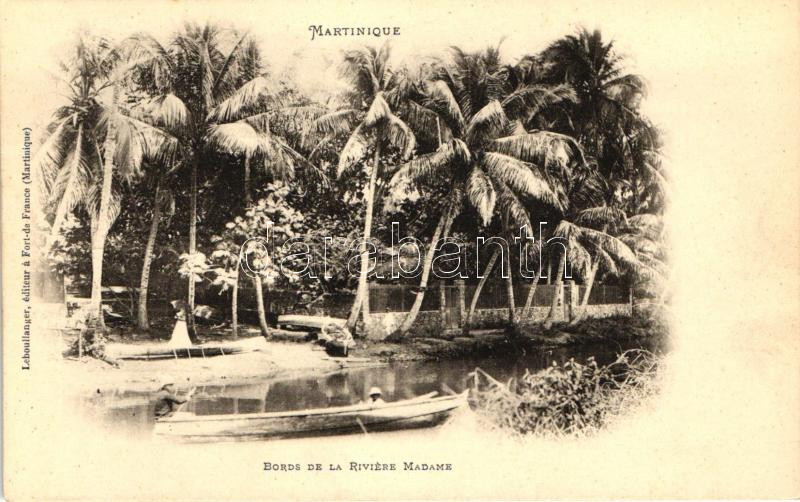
[{"x": 134, "y": 412}]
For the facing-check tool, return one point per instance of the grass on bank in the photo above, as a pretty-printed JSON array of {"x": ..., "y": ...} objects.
[{"x": 567, "y": 399}]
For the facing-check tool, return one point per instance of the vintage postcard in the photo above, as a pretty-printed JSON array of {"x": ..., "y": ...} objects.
[{"x": 400, "y": 250}]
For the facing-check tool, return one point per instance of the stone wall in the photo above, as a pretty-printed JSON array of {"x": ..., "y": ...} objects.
[
  {"x": 600, "y": 311},
  {"x": 493, "y": 317},
  {"x": 429, "y": 324}
]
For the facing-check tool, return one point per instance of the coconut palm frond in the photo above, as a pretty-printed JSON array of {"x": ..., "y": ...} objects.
[
  {"x": 610, "y": 244},
  {"x": 168, "y": 111},
  {"x": 229, "y": 62},
  {"x": 626, "y": 86},
  {"x": 238, "y": 138},
  {"x": 69, "y": 187},
  {"x": 237, "y": 104},
  {"x": 400, "y": 135},
  {"x": 481, "y": 194},
  {"x": 50, "y": 155},
  {"x": 146, "y": 51},
  {"x": 599, "y": 216},
  {"x": 91, "y": 202},
  {"x": 305, "y": 113},
  {"x": 517, "y": 128},
  {"x": 606, "y": 262},
  {"x": 641, "y": 244},
  {"x": 520, "y": 177},
  {"x": 378, "y": 112},
  {"x": 440, "y": 98},
  {"x": 206, "y": 73},
  {"x": 511, "y": 206},
  {"x": 531, "y": 99},
  {"x": 355, "y": 149},
  {"x": 424, "y": 166},
  {"x": 578, "y": 256},
  {"x": 330, "y": 124},
  {"x": 489, "y": 123},
  {"x": 542, "y": 148},
  {"x": 421, "y": 119},
  {"x": 129, "y": 148},
  {"x": 646, "y": 224},
  {"x": 567, "y": 230}
]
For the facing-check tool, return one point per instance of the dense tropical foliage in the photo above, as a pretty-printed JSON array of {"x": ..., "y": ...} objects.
[{"x": 167, "y": 155}]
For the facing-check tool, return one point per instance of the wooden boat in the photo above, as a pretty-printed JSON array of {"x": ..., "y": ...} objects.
[
  {"x": 306, "y": 322},
  {"x": 149, "y": 352},
  {"x": 423, "y": 411}
]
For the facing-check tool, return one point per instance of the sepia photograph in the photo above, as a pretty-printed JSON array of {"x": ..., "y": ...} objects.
[{"x": 376, "y": 253}]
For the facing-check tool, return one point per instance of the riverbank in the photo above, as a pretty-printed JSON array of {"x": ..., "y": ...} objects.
[
  {"x": 279, "y": 357},
  {"x": 614, "y": 330}
]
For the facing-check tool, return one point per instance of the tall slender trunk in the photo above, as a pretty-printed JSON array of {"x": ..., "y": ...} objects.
[
  {"x": 192, "y": 249},
  {"x": 247, "y": 197},
  {"x": 442, "y": 230},
  {"x": 362, "y": 293},
  {"x": 94, "y": 316},
  {"x": 262, "y": 315},
  {"x": 103, "y": 216},
  {"x": 526, "y": 310},
  {"x": 512, "y": 307},
  {"x": 142, "y": 320},
  {"x": 585, "y": 300},
  {"x": 474, "y": 302},
  {"x": 557, "y": 293},
  {"x": 235, "y": 302}
]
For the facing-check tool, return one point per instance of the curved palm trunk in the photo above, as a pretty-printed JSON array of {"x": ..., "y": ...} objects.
[
  {"x": 581, "y": 314},
  {"x": 262, "y": 315},
  {"x": 442, "y": 229},
  {"x": 192, "y": 250},
  {"x": 474, "y": 302},
  {"x": 144, "y": 284},
  {"x": 361, "y": 301},
  {"x": 551, "y": 317}
]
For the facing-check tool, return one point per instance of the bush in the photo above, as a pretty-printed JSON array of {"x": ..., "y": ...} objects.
[
  {"x": 94, "y": 345},
  {"x": 567, "y": 399}
]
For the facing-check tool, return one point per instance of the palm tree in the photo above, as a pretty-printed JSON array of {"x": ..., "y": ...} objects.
[
  {"x": 162, "y": 199},
  {"x": 90, "y": 138},
  {"x": 487, "y": 157},
  {"x": 206, "y": 91},
  {"x": 368, "y": 118},
  {"x": 607, "y": 98}
]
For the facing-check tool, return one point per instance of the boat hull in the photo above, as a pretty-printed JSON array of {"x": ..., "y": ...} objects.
[{"x": 361, "y": 418}]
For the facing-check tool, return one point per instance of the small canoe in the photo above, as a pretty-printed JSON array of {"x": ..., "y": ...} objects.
[
  {"x": 305, "y": 322},
  {"x": 422, "y": 411},
  {"x": 156, "y": 351}
]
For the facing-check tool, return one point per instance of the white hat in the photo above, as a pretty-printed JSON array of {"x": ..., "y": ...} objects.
[
  {"x": 375, "y": 391},
  {"x": 166, "y": 380}
]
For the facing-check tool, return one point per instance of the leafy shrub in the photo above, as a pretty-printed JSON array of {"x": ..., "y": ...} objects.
[{"x": 567, "y": 399}]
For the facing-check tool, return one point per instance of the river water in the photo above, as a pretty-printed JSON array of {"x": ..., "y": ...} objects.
[{"x": 133, "y": 411}]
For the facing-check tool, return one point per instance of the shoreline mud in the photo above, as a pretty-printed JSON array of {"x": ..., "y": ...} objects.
[{"x": 280, "y": 358}]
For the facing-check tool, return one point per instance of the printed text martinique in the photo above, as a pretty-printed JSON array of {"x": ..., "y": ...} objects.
[{"x": 353, "y": 31}]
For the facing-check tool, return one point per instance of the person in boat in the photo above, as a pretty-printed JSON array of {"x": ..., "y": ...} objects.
[
  {"x": 375, "y": 397},
  {"x": 167, "y": 399}
]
